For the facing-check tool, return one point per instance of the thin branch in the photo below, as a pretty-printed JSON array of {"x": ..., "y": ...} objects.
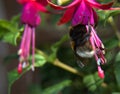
[
  {"x": 112, "y": 23},
  {"x": 66, "y": 67},
  {"x": 60, "y": 64}
]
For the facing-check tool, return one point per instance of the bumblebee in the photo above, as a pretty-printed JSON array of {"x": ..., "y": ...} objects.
[{"x": 80, "y": 42}]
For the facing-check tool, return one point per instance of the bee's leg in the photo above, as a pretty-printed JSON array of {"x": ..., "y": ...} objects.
[{"x": 80, "y": 64}]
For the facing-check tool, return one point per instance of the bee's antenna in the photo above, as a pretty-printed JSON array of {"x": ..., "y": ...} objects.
[{"x": 80, "y": 64}]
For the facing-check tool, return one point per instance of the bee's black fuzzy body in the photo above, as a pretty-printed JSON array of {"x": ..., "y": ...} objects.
[{"x": 80, "y": 41}]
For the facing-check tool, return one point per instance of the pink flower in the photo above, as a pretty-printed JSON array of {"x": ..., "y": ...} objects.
[
  {"x": 81, "y": 11},
  {"x": 99, "y": 50},
  {"x": 31, "y": 18}
]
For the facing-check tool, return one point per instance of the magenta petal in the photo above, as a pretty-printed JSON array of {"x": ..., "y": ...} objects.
[
  {"x": 30, "y": 15},
  {"x": 95, "y": 17},
  {"x": 63, "y": 7},
  {"x": 99, "y": 6},
  {"x": 40, "y": 7},
  {"x": 67, "y": 16},
  {"x": 43, "y": 2},
  {"x": 82, "y": 14}
]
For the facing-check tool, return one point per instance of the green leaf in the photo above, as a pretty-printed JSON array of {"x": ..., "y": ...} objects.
[
  {"x": 116, "y": 93},
  {"x": 56, "y": 46},
  {"x": 111, "y": 43},
  {"x": 110, "y": 55},
  {"x": 8, "y": 32},
  {"x": 117, "y": 59},
  {"x": 3, "y": 32},
  {"x": 100, "y": 13},
  {"x": 39, "y": 60},
  {"x": 7, "y": 25},
  {"x": 34, "y": 89},
  {"x": 55, "y": 89},
  {"x": 92, "y": 81},
  {"x": 15, "y": 20},
  {"x": 107, "y": 14},
  {"x": 11, "y": 37},
  {"x": 98, "y": 80},
  {"x": 117, "y": 69},
  {"x": 13, "y": 76},
  {"x": 112, "y": 13},
  {"x": 104, "y": 1}
]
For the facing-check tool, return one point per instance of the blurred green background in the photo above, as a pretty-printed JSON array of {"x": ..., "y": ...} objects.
[{"x": 56, "y": 69}]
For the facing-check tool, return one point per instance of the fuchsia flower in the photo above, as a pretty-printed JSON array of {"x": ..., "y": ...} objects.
[
  {"x": 82, "y": 12},
  {"x": 98, "y": 48},
  {"x": 30, "y": 17}
]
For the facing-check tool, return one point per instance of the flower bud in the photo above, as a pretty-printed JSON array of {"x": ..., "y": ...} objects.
[
  {"x": 100, "y": 72},
  {"x": 19, "y": 69}
]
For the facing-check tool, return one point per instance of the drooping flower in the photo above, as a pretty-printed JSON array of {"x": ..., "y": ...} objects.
[
  {"x": 99, "y": 50},
  {"x": 82, "y": 12},
  {"x": 31, "y": 19}
]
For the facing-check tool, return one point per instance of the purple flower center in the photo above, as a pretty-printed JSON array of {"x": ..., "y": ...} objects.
[
  {"x": 84, "y": 14},
  {"x": 30, "y": 15}
]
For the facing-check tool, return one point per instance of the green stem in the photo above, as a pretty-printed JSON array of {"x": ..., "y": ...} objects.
[
  {"x": 60, "y": 64},
  {"x": 112, "y": 23},
  {"x": 66, "y": 67}
]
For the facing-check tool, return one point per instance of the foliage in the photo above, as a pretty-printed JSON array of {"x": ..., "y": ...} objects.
[{"x": 81, "y": 80}]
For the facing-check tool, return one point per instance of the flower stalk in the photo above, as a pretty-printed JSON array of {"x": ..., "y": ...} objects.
[
  {"x": 112, "y": 23},
  {"x": 82, "y": 13},
  {"x": 60, "y": 64},
  {"x": 66, "y": 67},
  {"x": 31, "y": 19}
]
